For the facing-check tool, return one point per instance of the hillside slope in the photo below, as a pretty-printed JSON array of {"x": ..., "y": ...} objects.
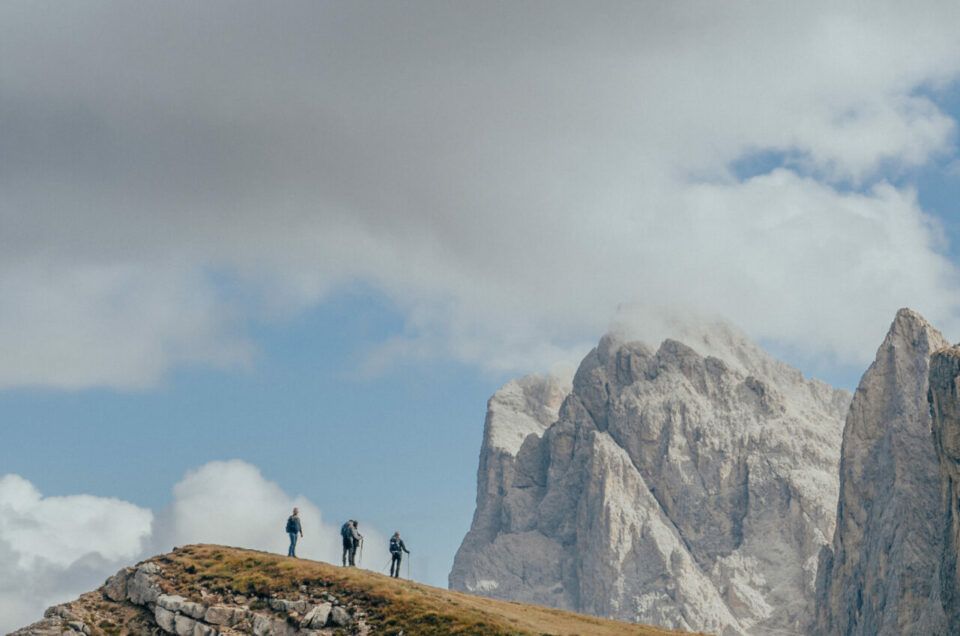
[{"x": 202, "y": 590}]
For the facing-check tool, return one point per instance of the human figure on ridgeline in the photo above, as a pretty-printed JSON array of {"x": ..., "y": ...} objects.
[
  {"x": 397, "y": 548},
  {"x": 351, "y": 541},
  {"x": 293, "y": 529}
]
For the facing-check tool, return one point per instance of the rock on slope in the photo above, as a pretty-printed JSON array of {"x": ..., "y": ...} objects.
[
  {"x": 877, "y": 579},
  {"x": 690, "y": 487},
  {"x": 207, "y": 590},
  {"x": 148, "y": 599}
]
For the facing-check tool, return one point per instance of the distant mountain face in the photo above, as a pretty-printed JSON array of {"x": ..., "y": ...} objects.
[
  {"x": 877, "y": 578},
  {"x": 690, "y": 487},
  {"x": 944, "y": 397}
]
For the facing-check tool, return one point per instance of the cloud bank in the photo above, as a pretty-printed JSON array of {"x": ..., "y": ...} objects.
[
  {"x": 54, "y": 548},
  {"x": 506, "y": 175}
]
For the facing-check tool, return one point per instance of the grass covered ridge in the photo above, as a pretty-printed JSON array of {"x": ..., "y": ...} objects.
[{"x": 391, "y": 605}]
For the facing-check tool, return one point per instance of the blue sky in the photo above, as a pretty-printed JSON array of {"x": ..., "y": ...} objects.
[
  {"x": 397, "y": 450},
  {"x": 317, "y": 238}
]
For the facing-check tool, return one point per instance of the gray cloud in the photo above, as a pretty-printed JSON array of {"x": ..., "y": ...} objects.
[{"x": 507, "y": 174}]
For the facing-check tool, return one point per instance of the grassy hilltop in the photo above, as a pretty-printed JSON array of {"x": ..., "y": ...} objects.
[
  {"x": 392, "y": 605},
  {"x": 276, "y": 590}
]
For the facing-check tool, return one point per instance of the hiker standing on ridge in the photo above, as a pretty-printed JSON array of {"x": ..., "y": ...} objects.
[
  {"x": 351, "y": 541},
  {"x": 397, "y": 548},
  {"x": 293, "y": 529}
]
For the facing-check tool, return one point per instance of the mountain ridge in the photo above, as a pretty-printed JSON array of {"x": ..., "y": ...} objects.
[{"x": 205, "y": 590}]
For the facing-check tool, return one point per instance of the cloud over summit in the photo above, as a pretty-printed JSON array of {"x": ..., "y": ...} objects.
[{"x": 506, "y": 175}]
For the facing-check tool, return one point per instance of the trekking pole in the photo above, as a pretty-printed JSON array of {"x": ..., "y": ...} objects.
[
  {"x": 361, "y": 552},
  {"x": 408, "y": 566}
]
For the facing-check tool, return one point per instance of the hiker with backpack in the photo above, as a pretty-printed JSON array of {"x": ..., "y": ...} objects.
[
  {"x": 397, "y": 548},
  {"x": 293, "y": 529},
  {"x": 352, "y": 539}
]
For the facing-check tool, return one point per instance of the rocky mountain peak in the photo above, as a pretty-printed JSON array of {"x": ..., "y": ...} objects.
[
  {"x": 523, "y": 407},
  {"x": 875, "y": 579},
  {"x": 910, "y": 327},
  {"x": 689, "y": 485}
]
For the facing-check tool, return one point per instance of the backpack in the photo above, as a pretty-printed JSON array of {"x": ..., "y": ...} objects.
[
  {"x": 346, "y": 531},
  {"x": 394, "y": 545},
  {"x": 291, "y": 525}
]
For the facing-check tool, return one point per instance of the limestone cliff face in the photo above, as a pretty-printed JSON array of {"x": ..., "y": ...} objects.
[
  {"x": 690, "y": 487},
  {"x": 523, "y": 407},
  {"x": 944, "y": 399},
  {"x": 876, "y": 578}
]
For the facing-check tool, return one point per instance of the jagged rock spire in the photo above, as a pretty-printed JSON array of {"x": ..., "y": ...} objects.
[
  {"x": 876, "y": 578},
  {"x": 945, "y": 410}
]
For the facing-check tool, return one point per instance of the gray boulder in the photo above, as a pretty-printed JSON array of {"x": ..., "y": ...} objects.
[
  {"x": 115, "y": 588},
  {"x": 340, "y": 617},
  {"x": 317, "y": 616},
  {"x": 184, "y": 625},
  {"x": 142, "y": 588},
  {"x": 269, "y": 626},
  {"x": 166, "y": 619},
  {"x": 224, "y": 615},
  {"x": 172, "y": 603}
]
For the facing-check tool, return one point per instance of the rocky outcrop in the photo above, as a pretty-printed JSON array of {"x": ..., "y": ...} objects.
[
  {"x": 134, "y": 601},
  {"x": 690, "y": 487},
  {"x": 944, "y": 397},
  {"x": 876, "y": 578},
  {"x": 211, "y": 589},
  {"x": 520, "y": 408}
]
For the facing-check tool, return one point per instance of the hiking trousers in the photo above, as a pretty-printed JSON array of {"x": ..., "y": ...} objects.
[
  {"x": 395, "y": 559},
  {"x": 349, "y": 552},
  {"x": 293, "y": 544}
]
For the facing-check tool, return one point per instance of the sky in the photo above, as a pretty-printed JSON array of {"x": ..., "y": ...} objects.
[{"x": 255, "y": 256}]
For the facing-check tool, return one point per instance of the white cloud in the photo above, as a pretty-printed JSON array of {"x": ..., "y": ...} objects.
[
  {"x": 230, "y": 503},
  {"x": 54, "y": 548},
  {"x": 507, "y": 176}
]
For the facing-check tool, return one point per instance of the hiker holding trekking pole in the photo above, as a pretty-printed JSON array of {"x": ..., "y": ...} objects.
[{"x": 352, "y": 539}]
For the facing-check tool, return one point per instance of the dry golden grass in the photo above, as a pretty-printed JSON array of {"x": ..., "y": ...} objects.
[{"x": 392, "y": 605}]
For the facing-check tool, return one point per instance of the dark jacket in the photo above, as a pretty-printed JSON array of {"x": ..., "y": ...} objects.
[
  {"x": 350, "y": 534},
  {"x": 396, "y": 545},
  {"x": 293, "y": 524}
]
